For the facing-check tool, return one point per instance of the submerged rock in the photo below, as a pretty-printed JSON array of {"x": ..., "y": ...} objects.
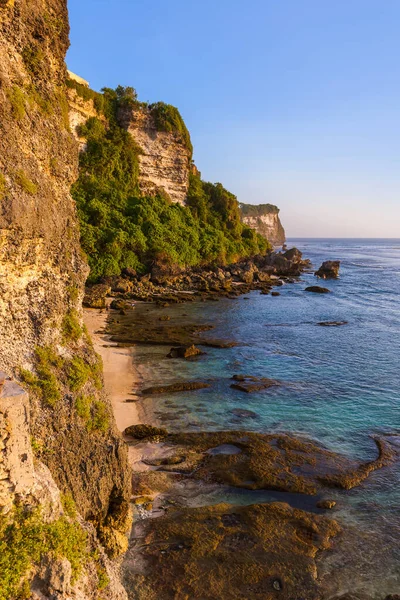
[
  {"x": 332, "y": 323},
  {"x": 243, "y": 413},
  {"x": 182, "y": 386},
  {"x": 249, "y": 383},
  {"x": 271, "y": 461},
  {"x": 317, "y": 289},
  {"x": 328, "y": 270},
  {"x": 184, "y": 352}
]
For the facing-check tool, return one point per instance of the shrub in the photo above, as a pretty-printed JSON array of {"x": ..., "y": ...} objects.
[
  {"x": 45, "y": 384},
  {"x": 44, "y": 104},
  {"x": 25, "y": 539},
  {"x": 102, "y": 579},
  {"x": 100, "y": 418},
  {"x": 251, "y": 210},
  {"x": 70, "y": 327},
  {"x": 168, "y": 118},
  {"x": 25, "y": 183},
  {"x": 17, "y": 100},
  {"x": 87, "y": 94},
  {"x": 79, "y": 373},
  {"x": 83, "y": 405},
  {"x": 68, "y": 504},
  {"x": 33, "y": 58}
]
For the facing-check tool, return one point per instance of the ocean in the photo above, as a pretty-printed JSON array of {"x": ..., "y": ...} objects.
[{"x": 339, "y": 386}]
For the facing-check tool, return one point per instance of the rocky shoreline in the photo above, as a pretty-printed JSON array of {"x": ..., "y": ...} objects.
[
  {"x": 166, "y": 285},
  {"x": 184, "y": 544}
]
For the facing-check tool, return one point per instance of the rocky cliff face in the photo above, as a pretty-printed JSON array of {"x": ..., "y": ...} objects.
[
  {"x": 42, "y": 275},
  {"x": 164, "y": 162},
  {"x": 264, "y": 218}
]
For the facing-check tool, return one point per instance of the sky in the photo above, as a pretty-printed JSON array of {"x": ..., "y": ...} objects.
[{"x": 291, "y": 102}]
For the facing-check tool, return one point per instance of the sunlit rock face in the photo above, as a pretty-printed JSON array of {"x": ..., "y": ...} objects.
[{"x": 164, "y": 162}]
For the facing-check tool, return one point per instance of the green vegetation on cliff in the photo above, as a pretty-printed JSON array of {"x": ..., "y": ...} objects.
[
  {"x": 25, "y": 538},
  {"x": 168, "y": 118},
  {"x": 258, "y": 210},
  {"x": 121, "y": 229}
]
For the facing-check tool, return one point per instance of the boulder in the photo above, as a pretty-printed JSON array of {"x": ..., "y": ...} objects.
[
  {"x": 328, "y": 270},
  {"x": 327, "y": 504},
  {"x": 95, "y": 296},
  {"x": 121, "y": 285},
  {"x": 316, "y": 289},
  {"x": 293, "y": 254},
  {"x": 143, "y": 431},
  {"x": 119, "y": 304},
  {"x": 249, "y": 383},
  {"x": 184, "y": 352}
]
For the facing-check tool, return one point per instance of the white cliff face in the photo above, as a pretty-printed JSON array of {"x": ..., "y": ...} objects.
[
  {"x": 165, "y": 160},
  {"x": 267, "y": 225},
  {"x": 80, "y": 111}
]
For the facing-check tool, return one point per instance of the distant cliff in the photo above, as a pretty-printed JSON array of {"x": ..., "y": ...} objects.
[{"x": 264, "y": 218}]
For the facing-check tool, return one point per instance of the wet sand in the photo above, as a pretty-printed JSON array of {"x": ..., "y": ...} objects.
[{"x": 121, "y": 378}]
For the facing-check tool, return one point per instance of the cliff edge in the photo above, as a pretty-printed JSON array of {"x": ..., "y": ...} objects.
[{"x": 65, "y": 417}]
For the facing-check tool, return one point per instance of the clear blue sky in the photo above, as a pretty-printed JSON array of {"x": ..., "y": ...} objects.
[{"x": 293, "y": 102}]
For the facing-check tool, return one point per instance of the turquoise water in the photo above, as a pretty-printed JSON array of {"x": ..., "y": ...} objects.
[{"x": 340, "y": 385}]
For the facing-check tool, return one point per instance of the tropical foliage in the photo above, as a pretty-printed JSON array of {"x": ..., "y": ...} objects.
[{"x": 121, "y": 229}]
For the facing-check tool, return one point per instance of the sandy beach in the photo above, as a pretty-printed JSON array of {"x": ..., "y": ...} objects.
[{"x": 120, "y": 376}]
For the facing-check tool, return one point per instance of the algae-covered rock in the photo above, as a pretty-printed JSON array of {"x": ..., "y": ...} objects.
[
  {"x": 316, "y": 289},
  {"x": 273, "y": 461},
  {"x": 182, "y": 386},
  {"x": 143, "y": 431},
  {"x": 95, "y": 296},
  {"x": 232, "y": 553}
]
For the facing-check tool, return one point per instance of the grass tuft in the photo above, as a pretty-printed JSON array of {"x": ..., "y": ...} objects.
[
  {"x": 70, "y": 328},
  {"x": 25, "y": 539},
  {"x": 17, "y": 100},
  {"x": 25, "y": 183}
]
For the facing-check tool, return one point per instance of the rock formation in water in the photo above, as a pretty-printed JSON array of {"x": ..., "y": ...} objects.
[
  {"x": 264, "y": 218},
  {"x": 66, "y": 421}
]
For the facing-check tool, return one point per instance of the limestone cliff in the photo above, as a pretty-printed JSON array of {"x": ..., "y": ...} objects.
[
  {"x": 164, "y": 160},
  {"x": 42, "y": 274},
  {"x": 264, "y": 218}
]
